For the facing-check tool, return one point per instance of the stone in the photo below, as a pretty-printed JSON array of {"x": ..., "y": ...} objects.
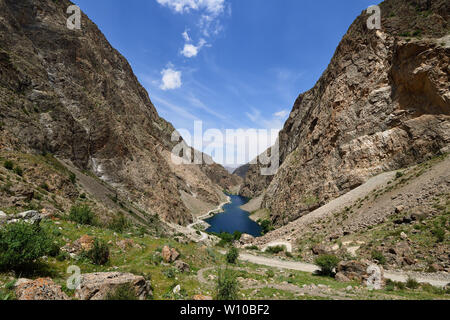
[
  {"x": 174, "y": 255},
  {"x": 97, "y": 286},
  {"x": 340, "y": 277},
  {"x": 319, "y": 249},
  {"x": 182, "y": 266},
  {"x": 355, "y": 270},
  {"x": 125, "y": 244},
  {"x": 39, "y": 289},
  {"x": 246, "y": 238},
  {"x": 166, "y": 254},
  {"x": 403, "y": 236}
]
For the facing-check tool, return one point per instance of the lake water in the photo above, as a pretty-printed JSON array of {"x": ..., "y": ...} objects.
[{"x": 234, "y": 219}]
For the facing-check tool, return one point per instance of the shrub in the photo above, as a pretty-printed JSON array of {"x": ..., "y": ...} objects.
[
  {"x": 169, "y": 273},
  {"x": 254, "y": 248},
  {"x": 399, "y": 174},
  {"x": 237, "y": 235},
  {"x": 232, "y": 255},
  {"x": 99, "y": 254},
  {"x": 72, "y": 177},
  {"x": 227, "y": 285},
  {"x": 266, "y": 226},
  {"x": 412, "y": 283},
  {"x": 82, "y": 215},
  {"x": 119, "y": 223},
  {"x": 327, "y": 264},
  {"x": 439, "y": 233},
  {"x": 123, "y": 292},
  {"x": 21, "y": 244},
  {"x": 225, "y": 239},
  {"x": 276, "y": 249},
  {"x": 18, "y": 170},
  {"x": 8, "y": 164},
  {"x": 400, "y": 285},
  {"x": 54, "y": 250},
  {"x": 270, "y": 273},
  {"x": 377, "y": 255}
]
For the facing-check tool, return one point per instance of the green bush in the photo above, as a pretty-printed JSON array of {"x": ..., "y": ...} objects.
[
  {"x": 232, "y": 255},
  {"x": 82, "y": 215},
  {"x": 119, "y": 223},
  {"x": 327, "y": 264},
  {"x": 169, "y": 273},
  {"x": 377, "y": 255},
  {"x": 266, "y": 226},
  {"x": 18, "y": 170},
  {"x": 21, "y": 244},
  {"x": 412, "y": 283},
  {"x": 276, "y": 249},
  {"x": 270, "y": 273},
  {"x": 123, "y": 292},
  {"x": 439, "y": 233},
  {"x": 400, "y": 285},
  {"x": 237, "y": 235},
  {"x": 8, "y": 164},
  {"x": 99, "y": 254},
  {"x": 227, "y": 285},
  {"x": 72, "y": 177}
]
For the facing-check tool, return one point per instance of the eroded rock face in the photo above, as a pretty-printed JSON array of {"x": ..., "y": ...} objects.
[
  {"x": 356, "y": 271},
  {"x": 70, "y": 93},
  {"x": 97, "y": 286},
  {"x": 39, "y": 289},
  {"x": 382, "y": 104}
]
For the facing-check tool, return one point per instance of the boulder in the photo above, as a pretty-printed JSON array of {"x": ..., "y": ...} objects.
[
  {"x": 39, "y": 289},
  {"x": 177, "y": 289},
  {"x": 97, "y": 286},
  {"x": 85, "y": 243},
  {"x": 246, "y": 238},
  {"x": 169, "y": 254},
  {"x": 182, "y": 266},
  {"x": 319, "y": 249},
  {"x": 354, "y": 271},
  {"x": 3, "y": 217},
  {"x": 125, "y": 244}
]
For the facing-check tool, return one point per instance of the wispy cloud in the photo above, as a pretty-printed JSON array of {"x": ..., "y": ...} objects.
[{"x": 213, "y": 7}]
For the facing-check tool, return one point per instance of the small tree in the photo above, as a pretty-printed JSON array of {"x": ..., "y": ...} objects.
[
  {"x": 227, "y": 286},
  {"x": 21, "y": 244},
  {"x": 327, "y": 264},
  {"x": 232, "y": 255}
]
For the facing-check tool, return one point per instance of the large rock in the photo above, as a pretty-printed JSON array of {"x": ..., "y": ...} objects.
[
  {"x": 182, "y": 266},
  {"x": 39, "y": 289},
  {"x": 97, "y": 286},
  {"x": 83, "y": 244},
  {"x": 246, "y": 239},
  {"x": 169, "y": 255},
  {"x": 355, "y": 271}
]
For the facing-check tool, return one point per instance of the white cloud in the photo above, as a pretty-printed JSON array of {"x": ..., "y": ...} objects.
[
  {"x": 171, "y": 79},
  {"x": 281, "y": 114},
  {"x": 190, "y": 50},
  {"x": 214, "y": 7}
]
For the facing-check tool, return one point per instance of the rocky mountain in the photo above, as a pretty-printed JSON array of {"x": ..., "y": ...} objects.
[
  {"x": 71, "y": 94},
  {"x": 382, "y": 104}
]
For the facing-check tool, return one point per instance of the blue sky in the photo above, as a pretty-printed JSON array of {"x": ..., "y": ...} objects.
[{"x": 229, "y": 63}]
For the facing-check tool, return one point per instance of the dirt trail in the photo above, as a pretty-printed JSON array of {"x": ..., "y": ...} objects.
[
  {"x": 435, "y": 280},
  {"x": 285, "y": 233}
]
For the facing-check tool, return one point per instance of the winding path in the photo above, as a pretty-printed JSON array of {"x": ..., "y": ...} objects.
[
  {"x": 200, "y": 219},
  {"x": 311, "y": 268}
]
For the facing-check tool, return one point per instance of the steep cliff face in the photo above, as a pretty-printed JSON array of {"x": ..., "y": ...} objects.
[
  {"x": 382, "y": 104},
  {"x": 70, "y": 93}
]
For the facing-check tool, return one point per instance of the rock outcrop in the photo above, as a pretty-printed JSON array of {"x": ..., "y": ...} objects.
[
  {"x": 382, "y": 104},
  {"x": 97, "y": 286},
  {"x": 39, "y": 289},
  {"x": 69, "y": 93}
]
